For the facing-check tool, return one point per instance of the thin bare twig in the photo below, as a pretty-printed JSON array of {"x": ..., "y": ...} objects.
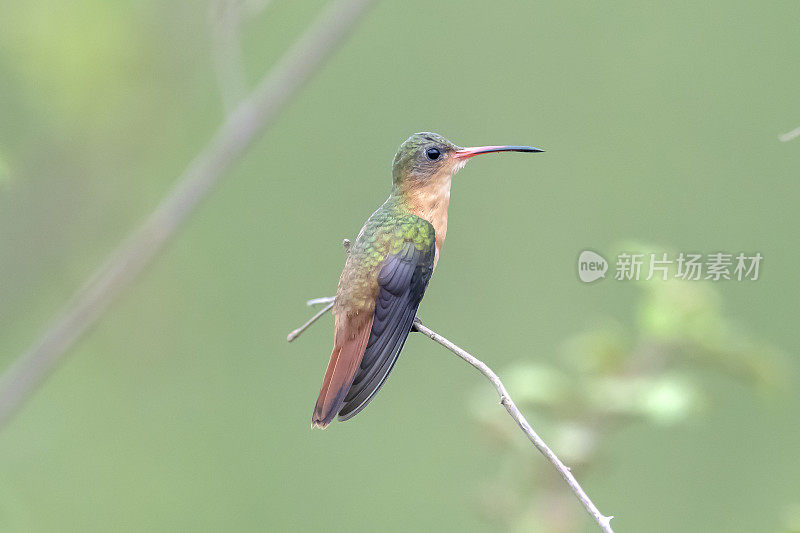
[
  {"x": 317, "y": 301},
  {"x": 326, "y": 300},
  {"x": 505, "y": 399},
  {"x": 249, "y": 118},
  {"x": 296, "y": 333}
]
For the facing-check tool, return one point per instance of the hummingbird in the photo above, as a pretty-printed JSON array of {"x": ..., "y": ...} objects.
[{"x": 387, "y": 271}]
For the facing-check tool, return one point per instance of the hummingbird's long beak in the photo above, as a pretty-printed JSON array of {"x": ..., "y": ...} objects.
[{"x": 466, "y": 153}]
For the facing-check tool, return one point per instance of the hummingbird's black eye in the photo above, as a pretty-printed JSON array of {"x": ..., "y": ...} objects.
[{"x": 433, "y": 153}]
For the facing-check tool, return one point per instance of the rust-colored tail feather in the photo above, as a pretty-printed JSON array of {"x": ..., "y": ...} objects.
[{"x": 348, "y": 348}]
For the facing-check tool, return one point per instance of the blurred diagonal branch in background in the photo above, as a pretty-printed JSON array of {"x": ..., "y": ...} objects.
[
  {"x": 249, "y": 118},
  {"x": 505, "y": 400}
]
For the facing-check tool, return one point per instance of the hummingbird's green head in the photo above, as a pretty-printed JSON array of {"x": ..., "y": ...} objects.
[
  {"x": 423, "y": 156},
  {"x": 426, "y": 157}
]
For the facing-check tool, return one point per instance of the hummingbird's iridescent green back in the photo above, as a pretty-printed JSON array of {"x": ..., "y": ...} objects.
[{"x": 383, "y": 235}]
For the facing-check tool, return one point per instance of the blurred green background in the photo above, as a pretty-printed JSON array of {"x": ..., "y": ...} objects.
[{"x": 185, "y": 408}]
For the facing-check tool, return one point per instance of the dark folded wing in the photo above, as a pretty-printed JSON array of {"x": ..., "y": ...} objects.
[{"x": 402, "y": 281}]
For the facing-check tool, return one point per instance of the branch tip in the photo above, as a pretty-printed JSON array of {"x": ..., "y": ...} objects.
[{"x": 317, "y": 301}]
